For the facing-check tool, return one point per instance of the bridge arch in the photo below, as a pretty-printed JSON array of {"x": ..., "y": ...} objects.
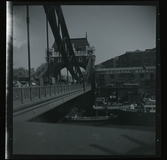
[{"x": 56, "y": 66}]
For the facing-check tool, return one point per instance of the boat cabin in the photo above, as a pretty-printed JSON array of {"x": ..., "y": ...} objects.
[{"x": 100, "y": 101}]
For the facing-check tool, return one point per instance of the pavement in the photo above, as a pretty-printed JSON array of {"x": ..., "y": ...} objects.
[{"x": 36, "y": 138}]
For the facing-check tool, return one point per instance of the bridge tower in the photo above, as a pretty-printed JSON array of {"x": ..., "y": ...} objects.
[{"x": 85, "y": 56}]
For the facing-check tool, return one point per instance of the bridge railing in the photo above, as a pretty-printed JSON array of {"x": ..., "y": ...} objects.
[{"x": 25, "y": 95}]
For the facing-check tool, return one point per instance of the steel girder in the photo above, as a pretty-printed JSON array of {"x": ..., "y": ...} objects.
[{"x": 50, "y": 12}]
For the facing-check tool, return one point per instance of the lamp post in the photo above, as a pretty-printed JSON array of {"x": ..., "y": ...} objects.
[
  {"x": 47, "y": 38},
  {"x": 28, "y": 43},
  {"x": 67, "y": 51}
]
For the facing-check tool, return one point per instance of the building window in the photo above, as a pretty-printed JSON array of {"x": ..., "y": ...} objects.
[
  {"x": 101, "y": 76},
  {"x": 146, "y": 57},
  {"x": 111, "y": 76},
  {"x": 146, "y": 60},
  {"x": 131, "y": 76},
  {"x": 52, "y": 60},
  {"x": 121, "y": 76},
  {"x": 152, "y": 76},
  {"x": 154, "y": 60},
  {"x": 102, "y": 84},
  {"x": 80, "y": 59},
  {"x": 80, "y": 48},
  {"x": 59, "y": 60},
  {"x": 141, "y": 75},
  {"x": 136, "y": 63},
  {"x": 136, "y": 58}
]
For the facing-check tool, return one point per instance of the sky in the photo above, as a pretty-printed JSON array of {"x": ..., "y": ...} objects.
[{"x": 111, "y": 29}]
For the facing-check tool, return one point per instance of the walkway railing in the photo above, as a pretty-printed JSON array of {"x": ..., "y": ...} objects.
[{"x": 27, "y": 95}]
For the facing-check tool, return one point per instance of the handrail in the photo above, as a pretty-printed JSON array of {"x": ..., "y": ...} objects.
[{"x": 25, "y": 95}]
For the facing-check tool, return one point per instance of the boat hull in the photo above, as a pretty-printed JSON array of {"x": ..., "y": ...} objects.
[
  {"x": 136, "y": 118},
  {"x": 87, "y": 119}
]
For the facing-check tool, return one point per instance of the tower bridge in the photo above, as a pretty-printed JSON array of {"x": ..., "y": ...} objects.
[
  {"x": 27, "y": 138},
  {"x": 29, "y": 102}
]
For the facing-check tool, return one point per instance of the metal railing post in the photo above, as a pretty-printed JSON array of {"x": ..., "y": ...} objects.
[
  {"x": 30, "y": 95},
  {"x": 22, "y": 96},
  {"x": 39, "y": 92}
]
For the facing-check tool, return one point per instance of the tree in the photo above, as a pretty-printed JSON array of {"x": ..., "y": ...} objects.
[
  {"x": 21, "y": 72},
  {"x": 32, "y": 70}
]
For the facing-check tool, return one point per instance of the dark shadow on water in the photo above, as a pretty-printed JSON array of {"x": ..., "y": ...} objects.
[
  {"x": 104, "y": 149},
  {"x": 55, "y": 116},
  {"x": 143, "y": 148},
  {"x": 110, "y": 125}
]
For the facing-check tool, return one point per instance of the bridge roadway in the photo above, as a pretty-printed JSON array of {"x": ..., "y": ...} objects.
[{"x": 29, "y": 102}]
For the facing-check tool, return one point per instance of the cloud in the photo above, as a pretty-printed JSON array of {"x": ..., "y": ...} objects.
[
  {"x": 19, "y": 27},
  {"x": 19, "y": 43}
]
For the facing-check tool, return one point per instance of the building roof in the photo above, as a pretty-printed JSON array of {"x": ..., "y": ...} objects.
[
  {"x": 79, "y": 44},
  {"x": 124, "y": 68},
  {"x": 150, "y": 50},
  {"x": 147, "y": 50},
  {"x": 136, "y": 51}
]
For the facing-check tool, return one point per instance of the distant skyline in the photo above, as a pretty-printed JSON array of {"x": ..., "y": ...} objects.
[{"x": 111, "y": 29}]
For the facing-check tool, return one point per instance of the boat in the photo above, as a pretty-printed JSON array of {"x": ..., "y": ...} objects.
[
  {"x": 75, "y": 118},
  {"x": 101, "y": 104},
  {"x": 141, "y": 113}
]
